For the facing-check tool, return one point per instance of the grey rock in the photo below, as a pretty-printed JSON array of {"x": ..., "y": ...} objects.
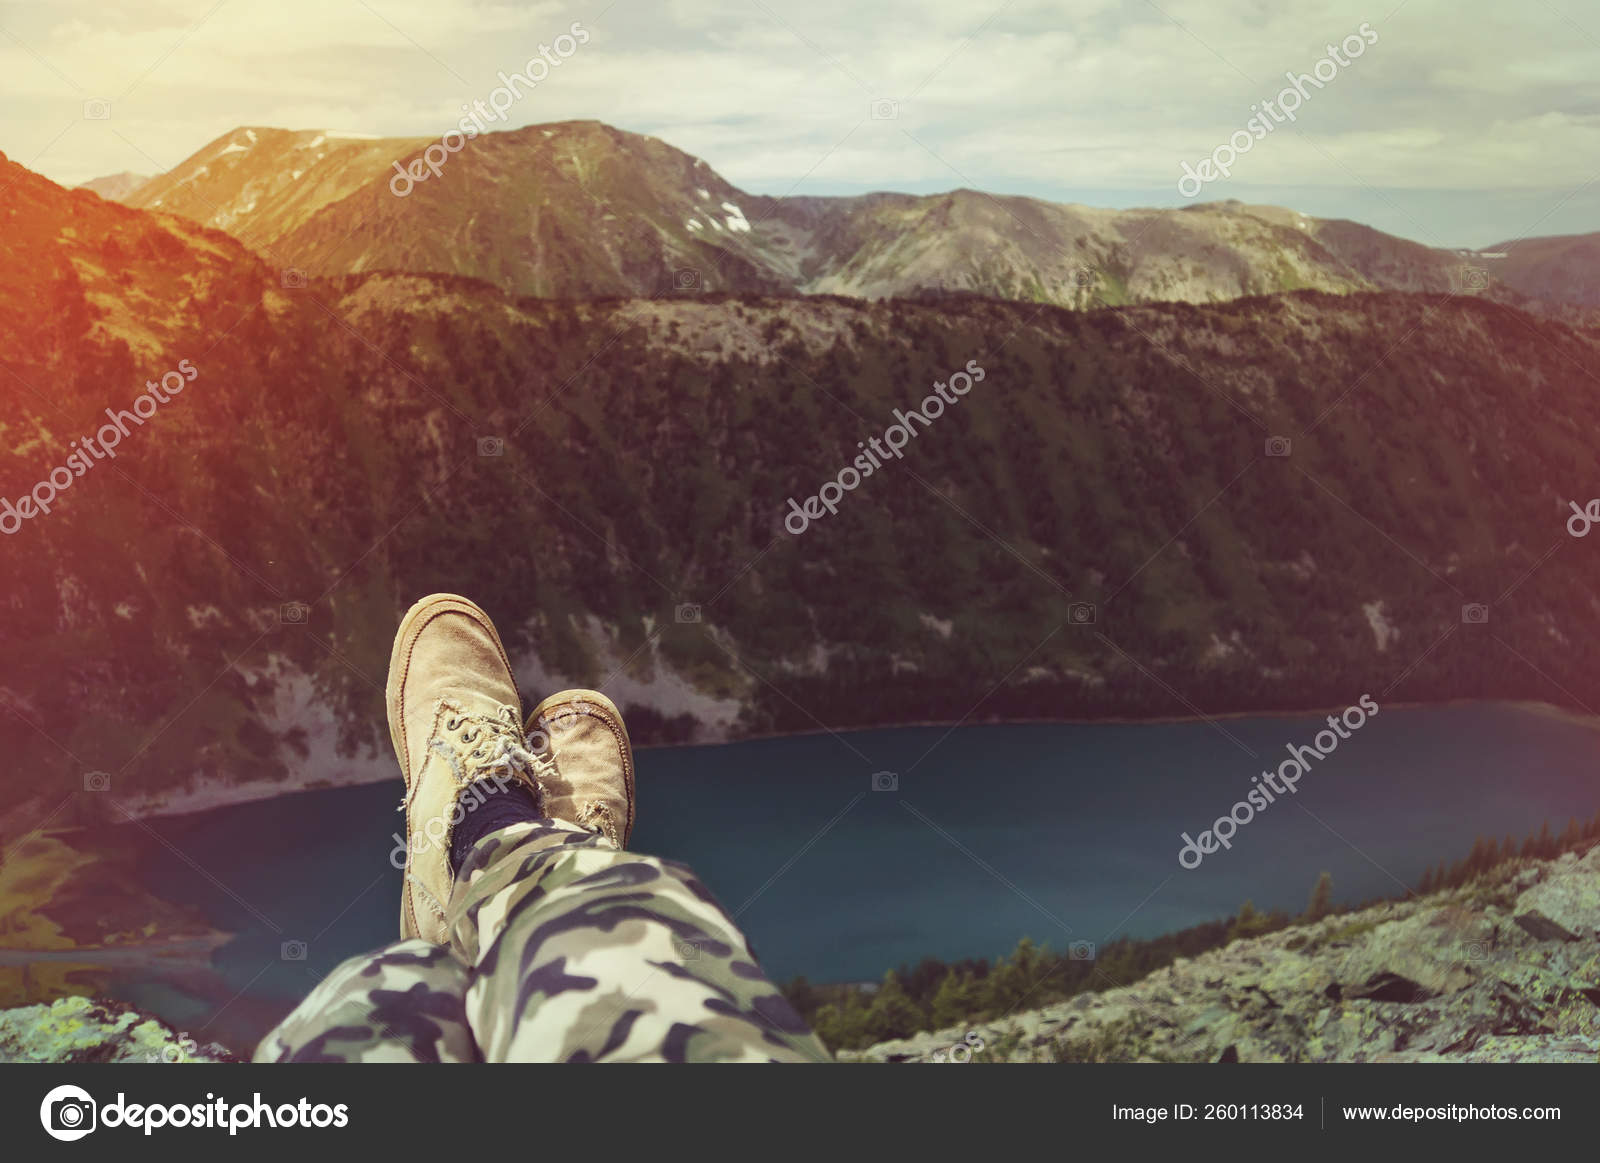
[
  {"x": 1448, "y": 977},
  {"x": 80, "y": 1029},
  {"x": 1542, "y": 928}
]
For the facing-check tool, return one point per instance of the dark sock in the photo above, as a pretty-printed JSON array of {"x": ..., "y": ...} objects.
[{"x": 499, "y": 809}]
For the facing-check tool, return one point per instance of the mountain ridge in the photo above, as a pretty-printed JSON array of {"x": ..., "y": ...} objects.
[
  {"x": 255, "y": 542},
  {"x": 582, "y": 209}
]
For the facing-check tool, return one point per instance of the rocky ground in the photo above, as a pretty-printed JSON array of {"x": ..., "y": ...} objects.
[
  {"x": 1504, "y": 969},
  {"x": 79, "y": 1029}
]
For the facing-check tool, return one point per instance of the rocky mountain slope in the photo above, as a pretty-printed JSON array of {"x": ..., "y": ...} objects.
[
  {"x": 1560, "y": 269},
  {"x": 1101, "y": 527},
  {"x": 1504, "y": 969},
  {"x": 116, "y": 187},
  {"x": 579, "y": 209},
  {"x": 259, "y": 183}
]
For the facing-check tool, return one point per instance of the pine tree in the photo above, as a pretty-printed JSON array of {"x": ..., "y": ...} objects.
[
  {"x": 1570, "y": 835},
  {"x": 893, "y": 1014},
  {"x": 1426, "y": 885},
  {"x": 1246, "y": 923},
  {"x": 955, "y": 1001},
  {"x": 1321, "y": 902}
]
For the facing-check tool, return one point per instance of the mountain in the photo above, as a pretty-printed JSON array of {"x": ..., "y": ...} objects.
[
  {"x": 582, "y": 210},
  {"x": 116, "y": 187},
  {"x": 1565, "y": 268},
  {"x": 573, "y": 211},
  {"x": 258, "y": 183},
  {"x": 1101, "y": 527}
]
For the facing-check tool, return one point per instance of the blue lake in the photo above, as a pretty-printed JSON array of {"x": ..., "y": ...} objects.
[{"x": 1059, "y": 832}]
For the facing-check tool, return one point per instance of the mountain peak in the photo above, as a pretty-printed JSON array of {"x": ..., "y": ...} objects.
[{"x": 584, "y": 209}]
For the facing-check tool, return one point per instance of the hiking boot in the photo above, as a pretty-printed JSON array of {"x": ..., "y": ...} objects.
[
  {"x": 592, "y": 784},
  {"x": 453, "y": 711}
]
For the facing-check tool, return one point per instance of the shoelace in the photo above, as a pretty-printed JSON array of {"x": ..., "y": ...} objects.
[{"x": 505, "y": 750}]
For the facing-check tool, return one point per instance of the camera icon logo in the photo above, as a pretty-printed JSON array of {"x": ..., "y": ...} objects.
[
  {"x": 491, "y": 446},
  {"x": 68, "y": 1113},
  {"x": 97, "y": 781},
  {"x": 1278, "y": 446},
  {"x": 1086, "y": 276},
  {"x": 885, "y": 781},
  {"x": 1081, "y": 613},
  {"x": 1471, "y": 280},
  {"x": 293, "y": 278},
  {"x": 1476, "y": 951},
  {"x": 293, "y": 613},
  {"x": 686, "y": 950},
  {"x": 687, "y": 279},
  {"x": 293, "y": 951},
  {"x": 885, "y": 109},
  {"x": 97, "y": 109},
  {"x": 1081, "y": 951},
  {"x": 687, "y": 613},
  {"x": 1474, "y": 614}
]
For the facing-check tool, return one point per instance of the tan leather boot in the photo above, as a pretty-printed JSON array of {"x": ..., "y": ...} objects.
[
  {"x": 453, "y": 718},
  {"x": 592, "y": 784}
]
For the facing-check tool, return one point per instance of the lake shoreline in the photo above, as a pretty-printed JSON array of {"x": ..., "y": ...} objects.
[{"x": 202, "y": 800}]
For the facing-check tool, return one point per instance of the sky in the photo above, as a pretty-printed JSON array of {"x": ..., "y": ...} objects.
[{"x": 1461, "y": 123}]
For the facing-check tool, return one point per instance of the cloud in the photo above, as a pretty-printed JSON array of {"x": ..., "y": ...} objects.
[{"x": 1065, "y": 97}]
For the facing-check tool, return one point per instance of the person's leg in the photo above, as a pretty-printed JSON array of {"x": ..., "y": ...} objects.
[
  {"x": 575, "y": 949},
  {"x": 403, "y": 1003},
  {"x": 583, "y": 952}
]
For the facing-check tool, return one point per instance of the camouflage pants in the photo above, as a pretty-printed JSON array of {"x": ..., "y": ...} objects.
[{"x": 562, "y": 948}]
